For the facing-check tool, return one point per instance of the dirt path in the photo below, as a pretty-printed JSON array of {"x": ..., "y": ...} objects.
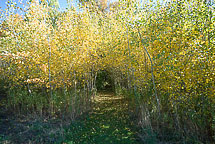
[{"x": 107, "y": 124}]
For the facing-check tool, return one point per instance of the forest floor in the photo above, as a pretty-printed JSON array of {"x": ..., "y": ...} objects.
[{"x": 107, "y": 123}]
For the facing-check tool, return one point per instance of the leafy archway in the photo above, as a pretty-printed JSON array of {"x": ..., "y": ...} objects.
[{"x": 50, "y": 61}]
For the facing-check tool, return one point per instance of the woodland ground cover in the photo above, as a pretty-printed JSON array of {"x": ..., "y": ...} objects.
[
  {"x": 108, "y": 122},
  {"x": 158, "y": 55}
]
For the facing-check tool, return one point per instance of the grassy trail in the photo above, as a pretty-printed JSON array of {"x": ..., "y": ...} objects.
[{"x": 108, "y": 123}]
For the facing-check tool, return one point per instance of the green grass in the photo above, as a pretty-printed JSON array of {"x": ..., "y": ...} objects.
[{"x": 108, "y": 123}]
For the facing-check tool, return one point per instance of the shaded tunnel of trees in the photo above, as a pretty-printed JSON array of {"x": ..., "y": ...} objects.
[
  {"x": 157, "y": 57},
  {"x": 104, "y": 81}
]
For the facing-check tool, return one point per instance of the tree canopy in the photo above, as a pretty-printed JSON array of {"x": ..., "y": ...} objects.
[{"x": 160, "y": 55}]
